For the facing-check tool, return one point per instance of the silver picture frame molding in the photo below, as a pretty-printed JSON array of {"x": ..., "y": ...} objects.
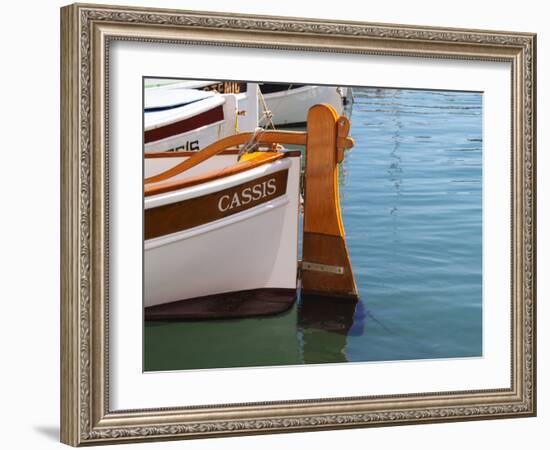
[{"x": 86, "y": 33}]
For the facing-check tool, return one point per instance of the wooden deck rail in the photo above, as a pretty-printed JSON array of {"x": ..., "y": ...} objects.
[{"x": 264, "y": 137}]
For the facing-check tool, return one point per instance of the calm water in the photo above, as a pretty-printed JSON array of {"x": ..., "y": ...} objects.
[{"x": 411, "y": 200}]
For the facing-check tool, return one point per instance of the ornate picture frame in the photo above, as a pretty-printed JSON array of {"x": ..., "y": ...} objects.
[{"x": 87, "y": 31}]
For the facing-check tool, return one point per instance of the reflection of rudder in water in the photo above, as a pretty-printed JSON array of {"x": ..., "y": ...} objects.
[{"x": 324, "y": 323}]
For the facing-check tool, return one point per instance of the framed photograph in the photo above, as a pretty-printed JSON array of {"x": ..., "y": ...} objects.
[{"x": 276, "y": 224}]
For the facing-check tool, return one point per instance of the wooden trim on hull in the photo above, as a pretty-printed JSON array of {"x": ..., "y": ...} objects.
[
  {"x": 183, "y": 153},
  {"x": 230, "y": 305},
  {"x": 261, "y": 159},
  {"x": 229, "y": 151},
  {"x": 179, "y": 216}
]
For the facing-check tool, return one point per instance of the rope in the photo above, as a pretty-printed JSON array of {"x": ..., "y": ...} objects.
[
  {"x": 267, "y": 114},
  {"x": 252, "y": 144}
]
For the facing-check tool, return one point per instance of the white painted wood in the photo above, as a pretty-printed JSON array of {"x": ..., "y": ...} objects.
[
  {"x": 163, "y": 98},
  {"x": 291, "y": 106},
  {"x": 257, "y": 248}
]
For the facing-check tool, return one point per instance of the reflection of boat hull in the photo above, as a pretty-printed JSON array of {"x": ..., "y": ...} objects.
[
  {"x": 213, "y": 341},
  {"x": 234, "y": 234}
]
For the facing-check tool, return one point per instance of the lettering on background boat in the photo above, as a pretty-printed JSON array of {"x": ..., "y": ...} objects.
[
  {"x": 227, "y": 87},
  {"x": 174, "y": 217},
  {"x": 176, "y": 153},
  {"x": 231, "y": 87},
  {"x": 189, "y": 146},
  {"x": 324, "y": 243}
]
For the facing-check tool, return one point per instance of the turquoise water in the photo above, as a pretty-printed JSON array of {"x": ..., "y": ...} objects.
[{"x": 412, "y": 209}]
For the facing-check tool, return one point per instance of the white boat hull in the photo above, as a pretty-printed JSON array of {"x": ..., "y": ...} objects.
[
  {"x": 291, "y": 106},
  {"x": 199, "y": 138},
  {"x": 253, "y": 249},
  {"x": 194, "y": 140}
]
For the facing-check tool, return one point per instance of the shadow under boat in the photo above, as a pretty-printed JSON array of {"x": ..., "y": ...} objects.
[{"x": 231, "y": 305}]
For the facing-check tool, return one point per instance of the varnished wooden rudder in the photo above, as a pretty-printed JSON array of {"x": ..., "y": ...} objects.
[{"x": 326, "y": 268}]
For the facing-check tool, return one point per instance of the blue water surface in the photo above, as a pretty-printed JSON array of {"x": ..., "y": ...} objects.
[
  {"x": 412, "y": 208},
  {"x": 411, "y": 195}
]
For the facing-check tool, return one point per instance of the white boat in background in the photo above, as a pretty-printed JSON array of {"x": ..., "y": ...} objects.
[
  {"x": 186, "y": 119},
  {"x": 181, "y": 119},
  {"x": 221, "y": 87},
  {"x": 287, "y": 105},
  {"x": 279, "y": 104}
]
